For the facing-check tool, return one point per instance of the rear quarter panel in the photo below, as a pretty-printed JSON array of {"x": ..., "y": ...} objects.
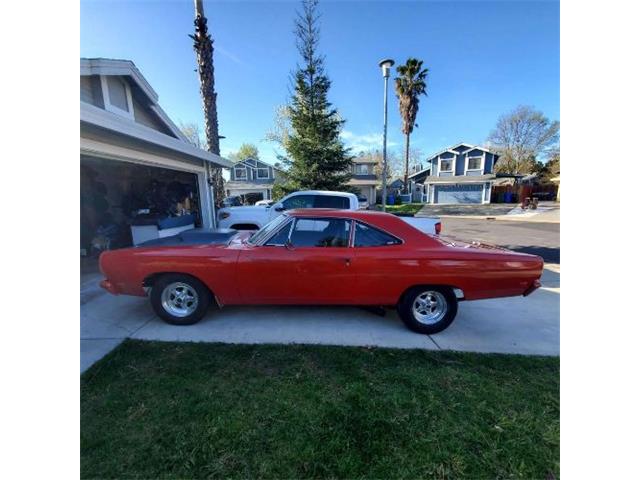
[{"x": 385, "y": 273}]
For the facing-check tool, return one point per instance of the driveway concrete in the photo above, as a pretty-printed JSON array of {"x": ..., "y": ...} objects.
[{"x": 528, "y": 325}]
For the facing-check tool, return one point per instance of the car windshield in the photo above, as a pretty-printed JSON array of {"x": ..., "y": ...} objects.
[{"x": 265, "y": 232}]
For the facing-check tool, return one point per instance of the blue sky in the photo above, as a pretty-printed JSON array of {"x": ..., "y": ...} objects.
[{"x": 485, "y": 58}]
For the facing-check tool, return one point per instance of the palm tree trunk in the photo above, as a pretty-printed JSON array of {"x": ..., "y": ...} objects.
[
  {"x": 203, "y": 46},
  {"x": 406, "y": 163}
]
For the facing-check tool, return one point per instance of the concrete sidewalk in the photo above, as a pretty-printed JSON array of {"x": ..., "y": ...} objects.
[{"x": 528, "y": 325}]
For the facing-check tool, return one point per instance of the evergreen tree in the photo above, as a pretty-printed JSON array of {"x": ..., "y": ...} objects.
[{"x": 316, "y": 157}]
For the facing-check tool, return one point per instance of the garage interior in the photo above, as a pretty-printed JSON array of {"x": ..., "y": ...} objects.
[{"x": 114, "y": 195}]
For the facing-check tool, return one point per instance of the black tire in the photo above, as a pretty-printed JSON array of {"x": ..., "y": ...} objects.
[
  {"x": 204, "y": 298},
  {"x": 405, "y": 309}
]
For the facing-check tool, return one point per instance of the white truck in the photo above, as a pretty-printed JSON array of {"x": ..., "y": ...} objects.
[{"x": 253, "y": 218}]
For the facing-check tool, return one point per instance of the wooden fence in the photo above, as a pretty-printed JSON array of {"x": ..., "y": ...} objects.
[{"x": 516, "y": 193}]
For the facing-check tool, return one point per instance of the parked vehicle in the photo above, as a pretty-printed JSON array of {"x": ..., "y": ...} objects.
[
  {"x": 320, "y": 257},
  {"x": 232, "y": 202},
  {"x": 253, "y": 218},
  {"x": 363, "y": 202}
]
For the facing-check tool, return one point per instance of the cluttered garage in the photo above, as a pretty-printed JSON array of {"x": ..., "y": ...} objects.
[{"x": 124, "y": 204}]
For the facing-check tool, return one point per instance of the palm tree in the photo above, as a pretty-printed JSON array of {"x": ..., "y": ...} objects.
[
  {"x": 410, "y": 84},
  {"x": 203, "y": 46}
]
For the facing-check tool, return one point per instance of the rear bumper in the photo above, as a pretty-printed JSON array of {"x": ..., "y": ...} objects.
[
  {"x": 532, "y": 288},
  {"x": 109, "y": 287}
]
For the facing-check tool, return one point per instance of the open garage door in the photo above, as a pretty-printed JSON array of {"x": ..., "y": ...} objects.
[
  {"x": 458, "y": 193},
  {"x": 114, "y": 195}
]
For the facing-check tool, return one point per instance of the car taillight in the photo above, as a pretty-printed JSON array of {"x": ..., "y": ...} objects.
[
  {"x": 438, "y": 228},
  {"x": 223, "y": 215}
]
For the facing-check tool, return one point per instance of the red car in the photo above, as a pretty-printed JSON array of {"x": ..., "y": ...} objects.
[{"x": 320, "y": 257}]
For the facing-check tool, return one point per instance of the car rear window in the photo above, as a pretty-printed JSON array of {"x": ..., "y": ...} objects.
[
  {"x": 367, "y": 236},
  {"x": 330, "y": 201}
]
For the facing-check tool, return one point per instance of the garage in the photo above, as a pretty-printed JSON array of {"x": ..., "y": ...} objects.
[
  {"x": 119, "y": 201},
  {"x": 458, "y": 193}
]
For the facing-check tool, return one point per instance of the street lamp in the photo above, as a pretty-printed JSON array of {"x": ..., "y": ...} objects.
[{"x": 386, "y": 65}]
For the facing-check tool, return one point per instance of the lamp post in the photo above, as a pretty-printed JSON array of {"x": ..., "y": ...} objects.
[{"x": 386, "y": 65}]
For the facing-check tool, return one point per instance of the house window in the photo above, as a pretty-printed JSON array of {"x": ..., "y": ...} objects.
[
  {"x": 362, "y": 169},
  {"x": 474, "y": 163},
  {"x": 241, "y": 173},
  {"x": 446, "y": 164},
  {"x": 117, "y": 95},
  {"x": 263, "y": 173}
]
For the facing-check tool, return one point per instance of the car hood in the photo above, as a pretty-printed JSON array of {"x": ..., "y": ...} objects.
[{"x": 196, "y": 236}]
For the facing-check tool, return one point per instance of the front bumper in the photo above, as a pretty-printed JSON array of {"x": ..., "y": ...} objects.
[{"x": 532, "y": 288}]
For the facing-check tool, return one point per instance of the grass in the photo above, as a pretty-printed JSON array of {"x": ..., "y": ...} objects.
[
  {"x": 194, "y": 410},
  {"x": 412, "y": 208}
]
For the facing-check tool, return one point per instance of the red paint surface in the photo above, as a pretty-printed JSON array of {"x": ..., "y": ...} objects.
[{"x": 240, "y": 273}]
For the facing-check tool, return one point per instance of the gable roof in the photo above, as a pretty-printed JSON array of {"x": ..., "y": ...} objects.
[
  {"x": 467, "y": 148},
  {"x": 126, "y": 68},
  {"x": 244, "y": 162}
]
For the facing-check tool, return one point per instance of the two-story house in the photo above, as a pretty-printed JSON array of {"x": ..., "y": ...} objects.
[
  {"x": 136, "y": 166},
  {"x": 364, "y": 178},
  {"x": 462, "y": 173},
  {"x": 252, "y": 180}
]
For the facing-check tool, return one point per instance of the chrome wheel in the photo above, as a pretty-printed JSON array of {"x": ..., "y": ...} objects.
[
  {"x": 179, "y": 299},
  {"x": 429, "y": 307}
]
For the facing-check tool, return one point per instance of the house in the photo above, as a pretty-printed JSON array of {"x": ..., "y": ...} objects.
[
  {"x": 364, "y": 177},
  {"x": 463, "y": 173},
  {"x": 252, "y": 180},
  {"x": 136, "y": 166}
]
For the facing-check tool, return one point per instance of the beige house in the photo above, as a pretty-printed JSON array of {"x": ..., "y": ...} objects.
[{"x": 364, "y": 178}]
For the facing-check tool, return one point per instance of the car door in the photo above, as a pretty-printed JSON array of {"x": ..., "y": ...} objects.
[{"x": 308, "y": 264}]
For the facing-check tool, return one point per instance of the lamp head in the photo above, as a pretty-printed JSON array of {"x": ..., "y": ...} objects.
[{"x": 386, "y": 65}]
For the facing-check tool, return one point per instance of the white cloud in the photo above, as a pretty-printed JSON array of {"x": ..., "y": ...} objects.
[{"x": 364, "y": 142}]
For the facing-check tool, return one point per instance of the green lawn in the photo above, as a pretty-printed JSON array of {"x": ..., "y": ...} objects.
[
  {"x": 152, "y": 409},
  {"x": 405, "y": 208}
]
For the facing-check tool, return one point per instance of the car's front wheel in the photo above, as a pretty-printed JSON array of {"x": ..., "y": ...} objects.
[
  {"x": 180, "y": 299},
  {"x": 428, "y": 309}
]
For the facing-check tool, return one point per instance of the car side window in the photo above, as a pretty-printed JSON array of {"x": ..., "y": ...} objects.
[
  {"x": 281, "y": 237},
  {"x": 321, "y": 232},
  {"x": 298, "y": 201},
  {"x": 331, "y": 201},
  {"x": 367, "y": 236}
]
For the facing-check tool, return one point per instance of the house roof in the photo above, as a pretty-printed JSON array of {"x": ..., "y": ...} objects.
[
  {"x": 361, "y": 182},
  {"x": 415, "y": 174},
  {"x": 105, "y": 120},
  {"x": 90, "y": 115},
  {"x": 469, "y": 147},
  {"x": 460, "y": 179},
  {"x": 126, "y": 68},
  {"x": 364, "y": 160},
  {"x": 237, "y": 162}
]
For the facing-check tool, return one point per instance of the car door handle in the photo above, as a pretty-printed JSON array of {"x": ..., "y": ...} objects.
[{"x": 347, "y": 261}]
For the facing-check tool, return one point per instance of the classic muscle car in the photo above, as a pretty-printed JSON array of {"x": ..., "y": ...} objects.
[{"x": 320, "y": 257}]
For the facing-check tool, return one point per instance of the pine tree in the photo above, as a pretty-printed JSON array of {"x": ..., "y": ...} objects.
[{"x": 316, "y": 157}]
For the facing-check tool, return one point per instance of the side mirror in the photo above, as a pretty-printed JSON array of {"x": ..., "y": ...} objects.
[
  {"x": 279, "y": 208},
  {"x": 288, "y": 245}
]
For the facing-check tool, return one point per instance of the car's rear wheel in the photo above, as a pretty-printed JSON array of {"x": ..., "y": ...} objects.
[
  {"x": 428, "y": 309},
  {"x": 180, "y": 299}
]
